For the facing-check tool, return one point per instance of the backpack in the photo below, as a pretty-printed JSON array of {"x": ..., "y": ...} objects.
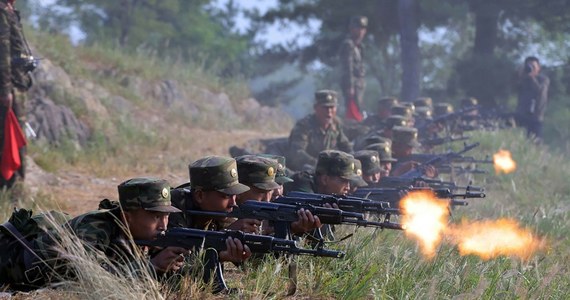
[{"x": 17, "y": 255}]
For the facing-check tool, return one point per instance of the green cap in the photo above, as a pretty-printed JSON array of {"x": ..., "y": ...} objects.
[
  {"x": 401, "y": 110},
  {"x": 423, "y": 112},
  {"x": 423, "y": 102},
  {"x": 147, "y": 193},
  {"x": 359, "y": 22},
  {"x": 336, "y": 163},
  {"x": 468, "y": 102},
  {"x": 405, "y": 135},
  {"x": 395, "y": 120},
  {"x": 370, "y": 160},
  {"x": 216, "y": 173},
  {"x": 409, "y": 105},
  {"x": 384, "y": 151},
  {"x": 281, "y": 174},
  {"x": 326, "y": 98},
  {"x": 257, "y": 171},
  {"x": 442, "y": 109},
  {"x": 387, "y": 102},
  {"x": 375, "y": 139},
  {"x": 358, "y": 181}
]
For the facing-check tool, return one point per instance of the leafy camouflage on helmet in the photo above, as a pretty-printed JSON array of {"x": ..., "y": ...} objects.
[
  {"x": 405, "y": 136},
  {"x": 384, "y": 151},
  {"x": 281, "y": 173},
  {"x": 326, "y": 97},
  {"x": 257, "y": 171},
  {"x": 336, "y": 163},
  {"x": 370, "y": 160},
  {"x": 216, "y": 173},
  {"x": 357, "y": 180},
  {"x": 147, "y": 193}
]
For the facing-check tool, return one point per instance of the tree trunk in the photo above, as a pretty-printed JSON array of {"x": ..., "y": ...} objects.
[
  {"x": 486, "y": 29},
  {"x": 410, "y": 50}
]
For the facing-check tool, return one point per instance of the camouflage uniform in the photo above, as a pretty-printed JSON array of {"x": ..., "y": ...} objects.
[
  {"x": 211, "y": 173},
  {"x": 103, "y": 233},
  {"x": 376, "y": 121},
  {"x": 307, "y": 138},
  {"x": 14, "y": 79},
  {"x": 352, "y": 65}
]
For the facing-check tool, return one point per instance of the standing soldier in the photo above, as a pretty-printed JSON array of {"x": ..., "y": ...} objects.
[
  {"x": 317, "y": 132},
  {"x": 16, "y": 63},
  {"x": 352, "y": 68}
]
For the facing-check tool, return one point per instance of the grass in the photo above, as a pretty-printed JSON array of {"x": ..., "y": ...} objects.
[{"x": 386, "y": 265}]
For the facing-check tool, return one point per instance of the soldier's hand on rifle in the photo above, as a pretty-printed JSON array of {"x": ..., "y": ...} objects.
[
  {"x": 430, "y": 171},
  {"x": 246, "y": 225},
  {"x": 7, "y": 100},
  {"x": 306, "y": 222},
  {"x": 235, "y": 251},
  {"x": 169, "y": 259}
]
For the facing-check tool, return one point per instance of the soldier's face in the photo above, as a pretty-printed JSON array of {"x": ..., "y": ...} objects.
[
  {"x": 215, "y": 201},
  {"x": 325, "y": 114},
  {"x": 333, "y": 185},
  {"x": 146, "y": 225},
  {"x": 358, "y": 33},
  {"x": 256, "y": 194},
  {"x": 371, "y": 178},
  {"x": 386, "y": 168},
  {"x": 277, "y": 192},
  {"x": 401, "y": 150}
]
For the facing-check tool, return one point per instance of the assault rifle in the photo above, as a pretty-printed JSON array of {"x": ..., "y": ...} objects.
[
  {"x": 443, "y": 140},
  {"x": 438, "y": 160},
  {"x": 346, "y": 203},
  {"x": 401, "y": 182},
  {"x": 394, "y": 195},
  {"x": 459, "y": 170},
  {"x": 215, "y": 241}
]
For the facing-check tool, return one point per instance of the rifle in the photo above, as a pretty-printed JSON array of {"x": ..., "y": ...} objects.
[
  {"x": 471, "y": 159},
  {"x": 439, "y": 159},
  {"x": 443, "y": 140},
  {"x": 394, "y": 195},
  {"x": 400, "y": 182},
  {"x": 458, "y": 170},
  {"x": 214, "y": 241},
  {"x": 284, "y": 214},
  {"x": 346, "y": 203}
]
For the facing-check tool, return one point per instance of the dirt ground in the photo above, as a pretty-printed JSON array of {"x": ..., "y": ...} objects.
[{"x": 78, "y": 190}]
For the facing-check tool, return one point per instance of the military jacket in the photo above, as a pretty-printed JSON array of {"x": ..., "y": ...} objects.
[
  {"x": 352, "y": 65},
  {"x": 12, "y": 47},
  {"x": 533, "y": 96},
  {"x": 307, "y": 139}
]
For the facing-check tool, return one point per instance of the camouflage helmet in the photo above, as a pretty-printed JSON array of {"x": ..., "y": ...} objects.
[
  {"x": 359, "y": 22},
  {"x": 405, "y": 136},
  {"x": 395, "y": 120},
  {"x": 358, "y": 181},
  {"x": 370, "y": 160},
  {"x": 336, "y": 163},
  {"x": 442, "y": 109},
  {"x": 326, "y": 98},
  {"x": 468, "y": 102},
  {"x": 423, "y": 102},
  {"x": 384, "y": 151},
  {"x": 216, "y": 173},
  {"x": 281, "y": 173},
  {"x": 387, "y": 102},
  {"x": 257, "y": 171},
  {"x": 150, "y": 194}
]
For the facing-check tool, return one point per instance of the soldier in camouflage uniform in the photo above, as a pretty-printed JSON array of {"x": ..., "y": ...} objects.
[
  {"x": 352, "y": 68},
  {"x": 371, "y": 169},
  {"x": 319, "y": 131},
  {"x": 384, "y": 151},
  {"x": 142, "y": 214},
  {"x": 15, "y": 79},
  {"x": 384, "y": 111}
]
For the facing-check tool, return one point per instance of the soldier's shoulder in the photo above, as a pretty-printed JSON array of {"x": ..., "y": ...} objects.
[
  {"x": 302, "y": 182},
  {"x": 305, "y": 122},
  {"x": 95, "y": 223}
]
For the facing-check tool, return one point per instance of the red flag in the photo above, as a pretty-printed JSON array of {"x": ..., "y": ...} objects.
[
  {"x": 13, "y": 140},
  {"x": 352, "y": 111}
]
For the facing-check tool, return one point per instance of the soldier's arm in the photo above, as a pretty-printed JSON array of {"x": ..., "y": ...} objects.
[{"x": 5, "y": 56}]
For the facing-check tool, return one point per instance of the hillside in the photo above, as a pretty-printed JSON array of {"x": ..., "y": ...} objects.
[{"x": 102, "y": 115}]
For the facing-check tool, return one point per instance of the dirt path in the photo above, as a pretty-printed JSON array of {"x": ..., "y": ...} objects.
[{"x": 78, "y": 190}]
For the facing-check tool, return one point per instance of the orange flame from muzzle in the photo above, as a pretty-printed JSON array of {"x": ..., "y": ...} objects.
[
  {"x": 425, "y": 219},
  {"x": 504, "y": 162}
]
